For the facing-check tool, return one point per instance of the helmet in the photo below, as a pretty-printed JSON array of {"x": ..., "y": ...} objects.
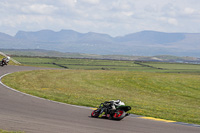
[
  {"x": 8, "y": 58},
  {"x": 118, "y": 101},
  {"x": 121, "y": 103}
]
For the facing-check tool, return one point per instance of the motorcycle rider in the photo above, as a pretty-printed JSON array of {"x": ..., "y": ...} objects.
[
  {"x": 116, "y": 103},
  {"x": 112, "y": 105},
  {"x": 6, "y": 60}
]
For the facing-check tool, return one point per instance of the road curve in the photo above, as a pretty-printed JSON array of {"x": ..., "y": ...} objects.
[{"x": 21, "y": 112}]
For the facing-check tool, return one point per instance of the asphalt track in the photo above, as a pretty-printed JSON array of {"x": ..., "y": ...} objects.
[{"x": 21, "y": 112}]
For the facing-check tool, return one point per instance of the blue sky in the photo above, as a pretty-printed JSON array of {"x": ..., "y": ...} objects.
[{"x": 113, "y": 17}]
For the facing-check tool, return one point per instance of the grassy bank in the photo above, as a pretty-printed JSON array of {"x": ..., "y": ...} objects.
[
  {"x": 4, "y": 131},
  {"x": 163, "y": 95}
]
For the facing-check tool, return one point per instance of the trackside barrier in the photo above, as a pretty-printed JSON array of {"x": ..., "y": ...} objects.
[{"x": 10, "y": 58}]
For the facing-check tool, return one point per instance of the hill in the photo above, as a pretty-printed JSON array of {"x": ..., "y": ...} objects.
[{"x": 144, "y": 43}]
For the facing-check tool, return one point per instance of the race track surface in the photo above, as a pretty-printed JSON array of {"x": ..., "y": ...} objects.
[{"x": 21, "y": 112}]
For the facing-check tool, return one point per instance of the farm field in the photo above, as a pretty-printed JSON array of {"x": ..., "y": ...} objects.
[{"x": 119, "y": 65}]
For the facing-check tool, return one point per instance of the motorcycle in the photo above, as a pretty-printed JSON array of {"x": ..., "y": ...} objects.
[
  {"x": 3, "y": 62},
  {"x": 105, "y": 111}
]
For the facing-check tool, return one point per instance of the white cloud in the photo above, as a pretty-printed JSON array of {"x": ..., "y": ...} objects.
[
  {"x": 67, "y": 3},
  {"x": 172, "y": 21},
  {"x": 39, "y": 8},
  {"x": 90, "y": 1},
  {"x": 122, "y": 5},
  {"x": 189, "y": 10}
]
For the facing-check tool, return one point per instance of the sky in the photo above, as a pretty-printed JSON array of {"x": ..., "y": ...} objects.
[{"x": 113, "y": 17}]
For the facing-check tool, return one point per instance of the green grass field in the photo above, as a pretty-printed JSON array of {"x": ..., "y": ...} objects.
[
  {"x": 86, "y": 64},
  {"x": 94, "y": 64},
  {"x": 171, "y": 96}
]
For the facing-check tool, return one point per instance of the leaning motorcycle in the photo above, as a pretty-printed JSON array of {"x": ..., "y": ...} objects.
[
  {"x": 3, "y": 62},
  {"x": 105, "y": 111}
]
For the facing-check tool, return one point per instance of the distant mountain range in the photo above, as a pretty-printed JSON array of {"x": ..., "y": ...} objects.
[{"x": 144, "y": 43}]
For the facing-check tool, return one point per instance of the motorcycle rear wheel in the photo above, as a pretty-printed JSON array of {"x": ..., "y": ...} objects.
[
  {"x": 119, "y": 114},
  {"x": 2, "y": 63}
]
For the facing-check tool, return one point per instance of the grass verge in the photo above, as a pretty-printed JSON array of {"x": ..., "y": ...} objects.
[
  {"x": 4, "y": 131},
  {"x": 160, "y": 95}
]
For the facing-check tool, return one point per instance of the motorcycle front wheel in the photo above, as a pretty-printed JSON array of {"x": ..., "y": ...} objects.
[{"x": 95, "y": 114}]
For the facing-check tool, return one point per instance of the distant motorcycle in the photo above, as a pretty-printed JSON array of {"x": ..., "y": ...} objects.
[
  {"x": 3, "y": 62},
  {"x": 105, "y": 111}
]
